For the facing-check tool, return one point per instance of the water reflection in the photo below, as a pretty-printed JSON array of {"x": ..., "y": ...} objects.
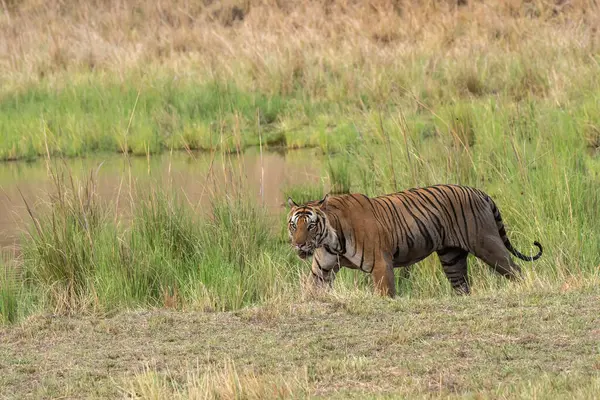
[{"x": 193, "y": 175}]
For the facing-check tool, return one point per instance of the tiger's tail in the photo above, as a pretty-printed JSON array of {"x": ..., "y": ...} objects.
[{"x": 506, "y": 241}]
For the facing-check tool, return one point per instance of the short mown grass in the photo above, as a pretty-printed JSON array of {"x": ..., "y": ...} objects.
[{"x": 344, "y": 344}]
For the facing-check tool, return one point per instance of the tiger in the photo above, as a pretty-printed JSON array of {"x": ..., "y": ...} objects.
[{"x": 377, "y": 234}]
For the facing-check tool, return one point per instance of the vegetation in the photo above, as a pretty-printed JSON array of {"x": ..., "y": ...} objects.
[
  {"x": 509, "y": 345},
  {"x": 502, "y": 96},
  {"x": 80, "y": 256},
  {"x": 140, "y": 77}
]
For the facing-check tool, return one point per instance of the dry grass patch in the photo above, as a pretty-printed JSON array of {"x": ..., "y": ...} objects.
[
  {"x": 224, "y": 382},
  {"x": 540, "y": 343},
  {"x": 329, "y": 49}
]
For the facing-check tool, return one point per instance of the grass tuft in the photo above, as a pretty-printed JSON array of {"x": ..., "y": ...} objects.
[
  {"x": 9, "y": 296},
  {"x": 225, "y": 382}
]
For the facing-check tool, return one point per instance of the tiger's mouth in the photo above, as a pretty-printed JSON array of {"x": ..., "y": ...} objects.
[{"x": 304, "y": 253}]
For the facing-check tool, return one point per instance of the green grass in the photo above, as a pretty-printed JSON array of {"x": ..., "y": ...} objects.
[
  {"x": 533, "y": 158},
  {"x": 8, "y": 296},
  {"x": 149, "y": 113},
  {"x": 95, "y": 114},
  {"x": 80, "y": 257},
  {"x": 302, "y": 194},
  {"x": 156, "y": 113}
]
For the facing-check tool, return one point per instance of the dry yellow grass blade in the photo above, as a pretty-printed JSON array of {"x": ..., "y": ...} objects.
[{"x": 270, "y": 44}]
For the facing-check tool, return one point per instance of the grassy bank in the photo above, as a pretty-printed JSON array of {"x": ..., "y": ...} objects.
[
  {"x": 541, "y": 344},
  {"x": 143, "y": 78},
  {"x": 82, "y": 254},
  {"x": 491, "y": 96}
]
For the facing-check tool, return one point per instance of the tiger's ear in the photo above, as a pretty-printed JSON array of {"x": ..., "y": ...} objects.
[
  {"x": 323, "y": 202},
  {"x": 291, "y": 203}
]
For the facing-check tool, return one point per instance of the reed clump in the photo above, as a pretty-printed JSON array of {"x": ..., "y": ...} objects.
[{"x": 81, "y": 256}]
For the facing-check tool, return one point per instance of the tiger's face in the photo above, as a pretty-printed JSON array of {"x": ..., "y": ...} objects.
[{"x": 306, "y": 227}]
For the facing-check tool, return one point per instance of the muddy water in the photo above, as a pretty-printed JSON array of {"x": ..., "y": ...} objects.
[{"x": 195, "y": 176}]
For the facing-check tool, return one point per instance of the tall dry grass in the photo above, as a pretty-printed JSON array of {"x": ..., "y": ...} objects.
[
  {"x": 302, "y": 73},
  {"x": 328, "y": 48}
]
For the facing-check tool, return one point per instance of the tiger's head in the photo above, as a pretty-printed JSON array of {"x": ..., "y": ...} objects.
[{"x": 307, "y": 226}]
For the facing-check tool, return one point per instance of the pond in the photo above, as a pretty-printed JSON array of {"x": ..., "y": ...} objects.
[{"x": 195, "y": 176}]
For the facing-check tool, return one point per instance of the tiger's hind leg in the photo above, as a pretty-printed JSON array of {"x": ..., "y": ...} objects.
[
  {"x": 496, "y": 255},
  {"x": 454, "y": 262}
]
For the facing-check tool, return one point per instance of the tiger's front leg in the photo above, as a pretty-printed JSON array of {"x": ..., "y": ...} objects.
[
  {"x": 324, "y": 268},
  {"x": 383, "y": 278}
]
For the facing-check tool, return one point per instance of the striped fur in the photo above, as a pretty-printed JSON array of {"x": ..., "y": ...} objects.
[{"x": 378, "y": 234}]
